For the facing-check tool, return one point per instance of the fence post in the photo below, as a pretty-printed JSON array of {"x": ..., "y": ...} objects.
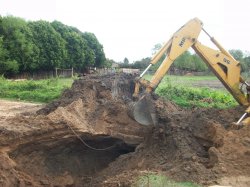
[
  {"x": 56, "y": 72},
  {"x": 72, "y": 72}
]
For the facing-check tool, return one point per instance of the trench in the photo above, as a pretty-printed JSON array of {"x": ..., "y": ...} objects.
[{"x": 66, "y": 161}]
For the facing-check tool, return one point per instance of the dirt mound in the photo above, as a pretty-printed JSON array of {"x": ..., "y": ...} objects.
[
  {"x": 86, "y": 138},
  {"x": 192, "y": 146}
]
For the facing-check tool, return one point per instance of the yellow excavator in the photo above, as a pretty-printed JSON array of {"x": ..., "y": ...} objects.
[{"x": 221, "y": 62}]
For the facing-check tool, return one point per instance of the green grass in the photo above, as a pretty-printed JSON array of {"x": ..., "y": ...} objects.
[
  {"x": 158, "y": 180},
  {"x": 182, "y": 80},
  {"x": 179, "y": 89},
  {"x": 41, "y": 91}
]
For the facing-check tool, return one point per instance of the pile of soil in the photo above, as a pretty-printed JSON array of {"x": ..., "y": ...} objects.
[{"x": 86, "y": 138}]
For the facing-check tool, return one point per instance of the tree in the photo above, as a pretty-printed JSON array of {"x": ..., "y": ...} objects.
[
  {"x": 76, "y": 46},
  {"x": 109, "y": 62},
  {"x": 7, "y": 67},
  {"x": 96, "y": 47},
  {"x": 141, "y": 64},
  {"x": 51, "y": 45},
  {"x": 199, "y": 65},
  {"x": 126, "y": 61},
  {"x": 41, "y": 45},
  {"x": 184, "y": 61},
  {"x": 156, "y": 48},
  {"x": 91, "y": 58},
  {"x": 247, "y": 61},
  {"x": 17, "y": 40},
  {"x": 239, "y": 56}
]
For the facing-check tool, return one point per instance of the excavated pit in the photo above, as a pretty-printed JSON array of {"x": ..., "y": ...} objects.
[{"x": 67, "y": 161}]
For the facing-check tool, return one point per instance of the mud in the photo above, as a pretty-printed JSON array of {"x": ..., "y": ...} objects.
[
  {"x": 86, "y": 138},
  {"x": 65, "y": 161}
]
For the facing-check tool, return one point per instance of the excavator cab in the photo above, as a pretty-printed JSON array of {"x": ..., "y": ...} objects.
[{"x": 220, "y": 61}]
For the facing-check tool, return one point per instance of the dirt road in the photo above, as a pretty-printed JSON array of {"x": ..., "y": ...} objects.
[{"x": 12, "y": 108}]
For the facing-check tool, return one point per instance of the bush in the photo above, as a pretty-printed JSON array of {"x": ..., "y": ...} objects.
[
  {"x": 9, "y": 67},
  {"x": 199, "y": 97}
]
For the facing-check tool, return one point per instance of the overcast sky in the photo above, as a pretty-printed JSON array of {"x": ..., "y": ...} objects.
[{"x": 131, "y": 28}]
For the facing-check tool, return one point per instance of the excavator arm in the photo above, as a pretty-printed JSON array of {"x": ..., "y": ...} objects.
[
  {"x": 224, "y": 66},
  {"x": 180, "y": 42}
]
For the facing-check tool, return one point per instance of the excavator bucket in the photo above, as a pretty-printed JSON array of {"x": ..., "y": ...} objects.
[{"x": 143, "y": 111}]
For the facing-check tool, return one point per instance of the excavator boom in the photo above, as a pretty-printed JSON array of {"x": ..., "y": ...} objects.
[{"x": 221, "y": 62}]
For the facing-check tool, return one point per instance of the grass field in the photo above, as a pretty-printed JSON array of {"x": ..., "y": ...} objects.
[
  {"x": 41, "y": 91},
  {"x": 181, "y": 90}
]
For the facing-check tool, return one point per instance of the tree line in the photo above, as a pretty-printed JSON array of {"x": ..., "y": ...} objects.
[
  {"x": 188, "y": 61},
  {"x": 29, "y": 46}
]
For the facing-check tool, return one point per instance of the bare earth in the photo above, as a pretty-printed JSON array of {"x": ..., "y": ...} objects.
[
  {"x": 12, "y": 108},
  {"x": 40, "y": 148},
  {"x": 216, "y": 84}
]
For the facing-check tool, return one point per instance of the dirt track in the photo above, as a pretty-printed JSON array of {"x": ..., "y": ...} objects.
[
  {"x": 195, "y": 145},
  {"x": 12, "y": 108}
]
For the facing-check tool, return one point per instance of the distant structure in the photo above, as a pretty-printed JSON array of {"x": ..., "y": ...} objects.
[{"x": 130, "y": 71}]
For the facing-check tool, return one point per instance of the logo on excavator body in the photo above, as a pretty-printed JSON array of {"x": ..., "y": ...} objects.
[
  {"x": 227, "y": 61},
  {"x": 182, "y": 42}
]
